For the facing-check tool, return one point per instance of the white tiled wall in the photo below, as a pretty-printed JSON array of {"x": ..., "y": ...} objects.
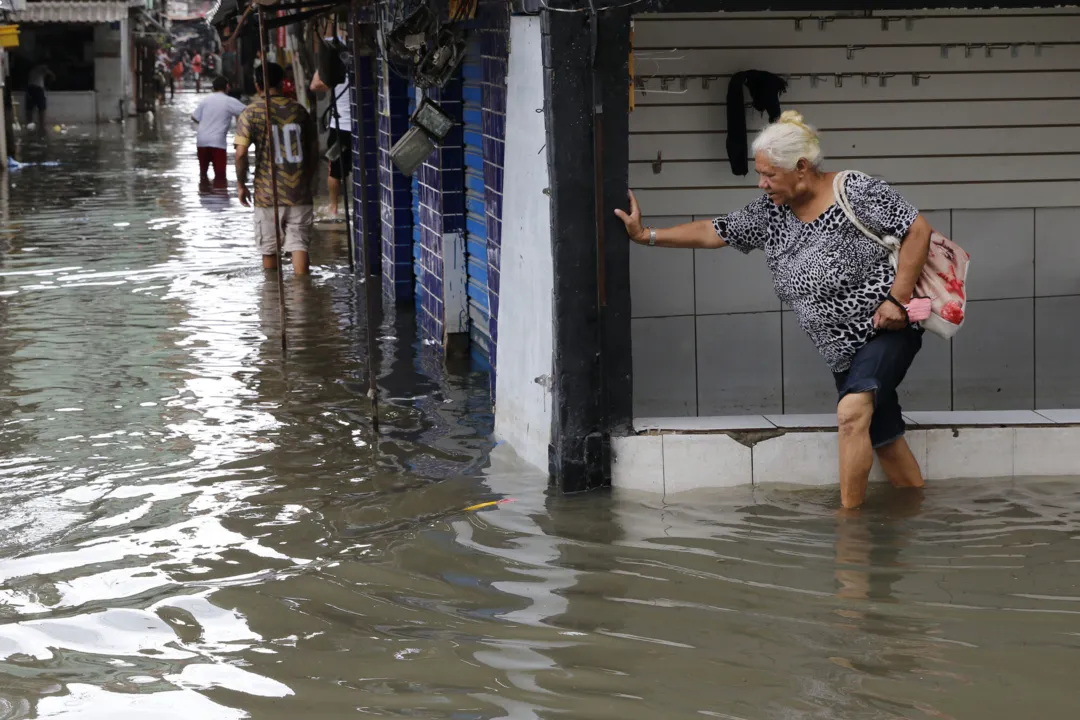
[
  {"x": 710, "y": 339},
  {"x": 672, "y": 463}
]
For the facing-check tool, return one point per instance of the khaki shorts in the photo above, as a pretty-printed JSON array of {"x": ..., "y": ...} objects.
[{"x": 297, "y": 222}]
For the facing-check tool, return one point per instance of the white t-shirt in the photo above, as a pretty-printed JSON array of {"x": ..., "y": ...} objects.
[
  {"x": 37, "y": 75},
  {"x": 341, "y": 98},
  {"x": 215, "y": 115},
  {"x": 344, "y": 107}
]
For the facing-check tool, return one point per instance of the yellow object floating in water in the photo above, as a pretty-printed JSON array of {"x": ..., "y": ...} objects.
[{"x": 481, "y": 506}]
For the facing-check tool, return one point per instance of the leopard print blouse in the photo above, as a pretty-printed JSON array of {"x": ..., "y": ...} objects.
[{"x": 833, "y": 277}]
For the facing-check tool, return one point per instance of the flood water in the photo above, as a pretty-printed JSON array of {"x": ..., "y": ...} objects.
[{"x": 192, "y": 526}]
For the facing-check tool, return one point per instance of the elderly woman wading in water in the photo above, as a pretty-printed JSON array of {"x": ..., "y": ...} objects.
[{"x": 840, "y": 284}]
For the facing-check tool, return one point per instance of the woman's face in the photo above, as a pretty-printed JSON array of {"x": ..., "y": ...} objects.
[{"x": 782, "y": 186}]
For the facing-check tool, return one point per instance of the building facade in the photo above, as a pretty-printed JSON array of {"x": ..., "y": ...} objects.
[
  {"x": 90, "y": 46},
  {"x": 616, "y": 361}
]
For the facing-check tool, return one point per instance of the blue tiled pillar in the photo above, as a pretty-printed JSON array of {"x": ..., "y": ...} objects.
[
  {"x": 441, "y": 184},
  {"x": 494, "y": 20},
  {"x": 365, "y": 135},
  {"x": 395, "y": 189}
]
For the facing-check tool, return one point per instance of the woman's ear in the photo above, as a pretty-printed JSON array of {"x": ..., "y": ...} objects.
[{"x": 802, "y": 166}]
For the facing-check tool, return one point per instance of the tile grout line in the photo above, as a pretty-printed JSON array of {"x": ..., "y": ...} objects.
[
  {"x": 1012, "y": 458},
  {"x": 663, "y": 467},
  {"x": 783, "y": 385},
  {"x": 1034, "y": 309},
  {"x": 952, "y": 344},
  {"x": 697, "y": 378}
]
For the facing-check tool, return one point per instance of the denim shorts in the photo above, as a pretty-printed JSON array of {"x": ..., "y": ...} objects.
[{"x": 879, "y": 367}]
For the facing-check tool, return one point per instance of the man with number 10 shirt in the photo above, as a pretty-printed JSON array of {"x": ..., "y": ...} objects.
[{"x": 293, "y": 154}]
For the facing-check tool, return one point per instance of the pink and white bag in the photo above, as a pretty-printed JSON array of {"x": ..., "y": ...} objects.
[{"x": 944, "y": 276}]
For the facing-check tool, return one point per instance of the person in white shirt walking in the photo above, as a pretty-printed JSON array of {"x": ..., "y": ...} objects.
[
  {"x": 338, "y": 136},
  {"x": 214, "y": 116}
]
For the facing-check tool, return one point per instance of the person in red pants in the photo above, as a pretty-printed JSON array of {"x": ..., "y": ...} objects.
[{"x": 214, "y": 116}]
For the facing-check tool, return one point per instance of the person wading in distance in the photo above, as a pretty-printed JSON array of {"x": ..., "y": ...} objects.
[
  {"x": 292, "y": 157},
  {"x": 214, "y": 115},
  {"x": 840, "y": 284}
]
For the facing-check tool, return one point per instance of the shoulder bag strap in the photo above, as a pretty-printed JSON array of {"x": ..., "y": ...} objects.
[{"x": 840, "y": 193}]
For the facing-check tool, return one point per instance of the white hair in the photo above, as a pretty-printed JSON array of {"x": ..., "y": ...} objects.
[{"x": 789, "y": 140}]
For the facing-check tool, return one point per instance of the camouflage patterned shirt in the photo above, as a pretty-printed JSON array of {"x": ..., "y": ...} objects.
[{"x": 293, "y": 142}]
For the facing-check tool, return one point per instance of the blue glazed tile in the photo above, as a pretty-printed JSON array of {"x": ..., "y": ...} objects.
[
  {"x": 399, "y": 124},
  {"x": 455, "y": 138},
  {"x": 427, "y": 217},
  {"x": 495, "y": 99},
  {"x": 489, "y": 147},
  {"x": 454, "y": 158}
]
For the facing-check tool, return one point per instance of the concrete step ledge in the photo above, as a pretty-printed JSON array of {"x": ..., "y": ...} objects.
[{"x": 671, "y": 461}]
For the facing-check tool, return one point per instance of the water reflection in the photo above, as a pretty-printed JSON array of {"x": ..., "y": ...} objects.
[{"x": 196, "y": 525}]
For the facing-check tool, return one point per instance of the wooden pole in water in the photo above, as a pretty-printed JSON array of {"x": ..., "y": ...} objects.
[
  {"x": 371, "y": 292},
  {"x": 273, "y": 175}
]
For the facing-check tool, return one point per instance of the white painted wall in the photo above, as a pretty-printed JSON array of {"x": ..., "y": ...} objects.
[
  {"x": 110, "y": 78},
  {"x": 70, "y": 107},
  {"x": 523, "y": 381}
]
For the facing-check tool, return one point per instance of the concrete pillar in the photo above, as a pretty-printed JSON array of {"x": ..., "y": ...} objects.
[
  {"x": 523, "y": 406},
  {"x": 587, "y": 107},
  {"x": 126, "y": 95},
  {"x": 395, "y": 189}
]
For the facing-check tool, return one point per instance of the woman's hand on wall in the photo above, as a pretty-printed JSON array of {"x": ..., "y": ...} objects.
[{"x": 632, "y": 220}]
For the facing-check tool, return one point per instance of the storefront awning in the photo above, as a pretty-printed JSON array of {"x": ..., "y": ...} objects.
[
  {"x": 221, "y": 11},
  {"x": 72, "y": 11}
]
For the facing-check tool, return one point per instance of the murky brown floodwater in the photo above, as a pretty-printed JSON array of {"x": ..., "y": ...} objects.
[{"x": 192, "y": 528}]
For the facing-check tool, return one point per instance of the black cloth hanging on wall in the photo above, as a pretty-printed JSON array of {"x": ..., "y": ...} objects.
[{"x": 765, "y": 90}]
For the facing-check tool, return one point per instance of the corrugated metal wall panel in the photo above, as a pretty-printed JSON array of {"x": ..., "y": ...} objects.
[
  {"x": 475, "y": 221},
  {"x": 935, "y": 103}
]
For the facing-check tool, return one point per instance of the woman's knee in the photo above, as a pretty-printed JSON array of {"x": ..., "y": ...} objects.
[{"x": 854, "y": 412}]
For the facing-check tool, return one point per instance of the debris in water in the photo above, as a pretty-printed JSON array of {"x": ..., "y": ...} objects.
[{"x": 483, "y": 505}]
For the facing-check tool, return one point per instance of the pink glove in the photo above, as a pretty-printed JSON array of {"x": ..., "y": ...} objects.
[{"x": 918, "y": 309}]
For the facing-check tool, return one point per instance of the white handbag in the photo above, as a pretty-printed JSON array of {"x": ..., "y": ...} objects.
[{"x": 944, "y": 276}]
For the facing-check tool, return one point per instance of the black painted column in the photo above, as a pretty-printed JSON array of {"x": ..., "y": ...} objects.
[{"x": 592, "y": 374}]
